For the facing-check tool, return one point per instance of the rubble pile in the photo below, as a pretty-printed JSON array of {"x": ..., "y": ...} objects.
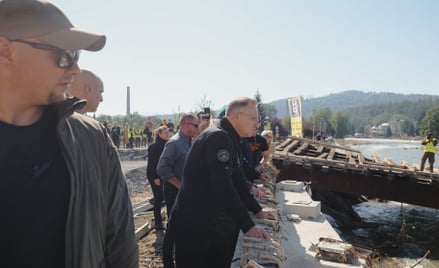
[{"x": 258, "y": 252}]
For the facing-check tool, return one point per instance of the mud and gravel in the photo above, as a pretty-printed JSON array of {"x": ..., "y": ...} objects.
[
  {"x": 150, "y": 245},
  {"x": 134, "y": 166}
]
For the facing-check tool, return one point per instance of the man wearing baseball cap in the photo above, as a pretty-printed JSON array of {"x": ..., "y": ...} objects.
[{"x": 63, "y": 197}]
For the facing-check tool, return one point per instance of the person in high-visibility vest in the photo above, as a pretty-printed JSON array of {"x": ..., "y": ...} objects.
[
  {"x": 143, "y": 139},
  {"x": 131, "y": 137},
  {"x": 429, "y": 143},
  {"x": 267, "y": 124},
  {"x": 137, "y": 136}
]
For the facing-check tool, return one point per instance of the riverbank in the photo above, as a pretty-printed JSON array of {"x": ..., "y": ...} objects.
[
  {"x": 403, "y": 231},
  {"x": 398, "y": 150}
]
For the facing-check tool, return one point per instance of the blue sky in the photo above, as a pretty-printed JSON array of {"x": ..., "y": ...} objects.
[{"x": 173, "y": 53}]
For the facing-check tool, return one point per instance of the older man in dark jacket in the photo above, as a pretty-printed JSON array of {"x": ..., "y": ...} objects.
[{"x": 214, "y": 199}]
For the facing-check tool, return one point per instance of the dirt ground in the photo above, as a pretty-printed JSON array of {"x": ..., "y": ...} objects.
[
  {"x": 134, "y": 166},
  {"x": 150, "y": 245}
]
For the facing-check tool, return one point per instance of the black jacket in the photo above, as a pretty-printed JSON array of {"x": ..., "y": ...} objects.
[
  {"x": 213, "y": 183},
  {"x": 154, "y": 152},
  {"x": 252, "y": 149}
]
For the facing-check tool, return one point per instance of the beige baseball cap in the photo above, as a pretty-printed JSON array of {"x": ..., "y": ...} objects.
[{"x": 20, "y": 19}]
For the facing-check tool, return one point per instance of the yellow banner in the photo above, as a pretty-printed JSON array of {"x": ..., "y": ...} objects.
[{"x": 295, "y": 111}]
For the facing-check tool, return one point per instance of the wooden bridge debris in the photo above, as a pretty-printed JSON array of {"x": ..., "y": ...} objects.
[{"x": 343, "y": 169}]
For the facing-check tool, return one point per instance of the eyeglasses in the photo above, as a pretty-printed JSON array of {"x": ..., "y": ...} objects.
[
  {"x": 256, "y": 119},
  {"x": 66, "y": 58},
  {"x": 195, "y": 125}
]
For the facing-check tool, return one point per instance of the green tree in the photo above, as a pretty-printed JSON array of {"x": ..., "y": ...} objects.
[
  {"x": 261, "y": 110},
  {"x": 340, "y": 121},
  {"x": 408, "y": 127},
  {"x": 430, "y": 123},
  {"x": 388, "y": 132},
  {"x": 270, "y": 110},
  {"x": 319, "y": 121},
  {"x": 137, "y": 120}
]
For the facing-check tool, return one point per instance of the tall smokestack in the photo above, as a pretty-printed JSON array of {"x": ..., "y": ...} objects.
[{"x": 128, "y": 101}]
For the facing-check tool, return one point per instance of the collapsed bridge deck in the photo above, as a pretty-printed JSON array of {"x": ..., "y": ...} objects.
[{"x": 342, "y": 169}]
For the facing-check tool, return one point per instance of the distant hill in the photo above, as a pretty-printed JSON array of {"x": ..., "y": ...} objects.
[{"x": 345, "y": 100}]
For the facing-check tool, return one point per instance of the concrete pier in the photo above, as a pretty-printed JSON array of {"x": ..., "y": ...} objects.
[{"x": 302, "y": 226}]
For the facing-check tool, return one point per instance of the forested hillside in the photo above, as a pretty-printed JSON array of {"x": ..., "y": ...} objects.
[
  {"x": 347, "y": 99},
  {"x": 339, "y": 114},
  {"x": 355, "y": 111}
]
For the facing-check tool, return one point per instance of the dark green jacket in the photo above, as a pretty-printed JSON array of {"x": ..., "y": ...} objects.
[{"x": 99, "y": 228}]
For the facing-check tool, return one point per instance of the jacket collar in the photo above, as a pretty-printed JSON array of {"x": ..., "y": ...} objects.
[
  {"x": 160, "y": 140},
  {"x": 184, "y": 137},
  {"x": 227, "y": 126},
  {"x": 69, "y": 106}
]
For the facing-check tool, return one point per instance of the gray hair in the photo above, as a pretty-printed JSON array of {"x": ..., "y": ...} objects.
[{"x": 239, "y": 103}]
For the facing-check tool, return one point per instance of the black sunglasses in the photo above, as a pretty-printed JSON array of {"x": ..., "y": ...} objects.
[
  {"x": 66, "y": 58},
  {"x": 195, "y": 125}
]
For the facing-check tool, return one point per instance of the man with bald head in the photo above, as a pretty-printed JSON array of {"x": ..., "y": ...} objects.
[{"x": 88, "y": 86}]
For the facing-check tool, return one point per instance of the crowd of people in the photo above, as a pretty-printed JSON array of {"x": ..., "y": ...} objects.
[
  {"x": 206, "y": 171},
  {"x": 131, "y": 136},
  {"x": 232, "y": 151},
  {"x": 69, "y": 176},
  {"x": 168, "y": 159}
]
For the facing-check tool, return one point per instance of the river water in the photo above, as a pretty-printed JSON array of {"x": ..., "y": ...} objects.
[
  {"x": 422, "y": 224},
  {"x": 398, "y": 150}
]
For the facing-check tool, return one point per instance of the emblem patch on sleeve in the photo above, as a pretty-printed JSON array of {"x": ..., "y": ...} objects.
[{"x": 223, "y": 155}]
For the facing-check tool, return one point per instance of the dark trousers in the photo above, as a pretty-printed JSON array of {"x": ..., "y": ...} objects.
[
  {"x": 116, "y": 141},
  {"x": 170, "y": 193},
  {"x": 200, "y": 249},
  {"x": 157, "y": 193},
  {"x": 430, "y": 157},
  {"x": 168, "y": 248}
]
